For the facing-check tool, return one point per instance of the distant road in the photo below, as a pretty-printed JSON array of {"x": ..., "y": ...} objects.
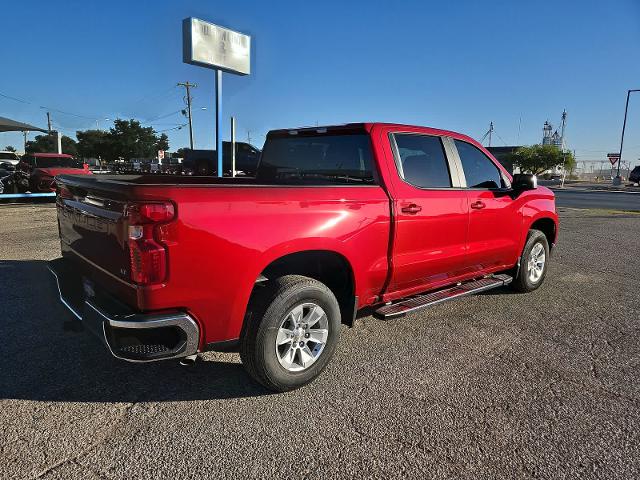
[{"x": 597, "y": 199}]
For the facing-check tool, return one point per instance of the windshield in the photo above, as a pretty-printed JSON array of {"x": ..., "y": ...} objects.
[
  {"x": 8, "y": 156},
  {"x": 317, "y": 160},
  {"x": 49, "y": 162}
]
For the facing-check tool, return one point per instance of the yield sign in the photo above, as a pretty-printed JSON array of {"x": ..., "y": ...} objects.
[{"x": 613, "y": 157}]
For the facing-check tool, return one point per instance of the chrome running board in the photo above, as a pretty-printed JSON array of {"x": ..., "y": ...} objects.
[{"x": 417, "y": 302}]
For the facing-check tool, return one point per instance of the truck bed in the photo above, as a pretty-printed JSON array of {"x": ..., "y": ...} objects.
[{"x": 221, "y": 238}]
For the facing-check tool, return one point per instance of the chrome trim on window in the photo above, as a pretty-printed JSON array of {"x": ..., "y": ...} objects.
[
  {"x": 453, "y": 172},
  {"x": 455, "y": 164}
]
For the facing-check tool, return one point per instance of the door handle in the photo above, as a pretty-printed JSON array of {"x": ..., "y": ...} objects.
[
  {"x": 411, "y": 209},
  {"x": 478, "y": 205}
]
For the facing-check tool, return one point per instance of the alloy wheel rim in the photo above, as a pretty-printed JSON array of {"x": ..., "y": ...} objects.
[
  {"x": 536, "y": 263},
  {"x": 302, "y": 336}
]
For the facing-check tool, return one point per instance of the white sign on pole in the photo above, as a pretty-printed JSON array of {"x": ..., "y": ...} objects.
[{"x": 212, "y": 46}]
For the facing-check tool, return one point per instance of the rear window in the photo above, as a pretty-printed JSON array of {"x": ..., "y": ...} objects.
[
  {"x": 8, "y": 156},
  {"x": 50, "y": 162},
  {"x": 423, "y": 160},
  {"x": 317, "y": 160}
]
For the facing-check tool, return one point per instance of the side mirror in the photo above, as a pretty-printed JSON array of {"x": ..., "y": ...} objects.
[{"x": 524, "y": 181}]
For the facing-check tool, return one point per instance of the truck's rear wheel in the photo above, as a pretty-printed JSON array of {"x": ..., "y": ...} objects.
[
  {"x": 533, "y": 262},
  {"x": 290, "y": 333}
]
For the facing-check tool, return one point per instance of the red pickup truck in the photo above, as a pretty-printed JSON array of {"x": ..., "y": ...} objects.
[{"x": 390, "y": 217}]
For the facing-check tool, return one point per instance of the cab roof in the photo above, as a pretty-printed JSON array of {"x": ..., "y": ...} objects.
[{"x": 365, "y": 127}]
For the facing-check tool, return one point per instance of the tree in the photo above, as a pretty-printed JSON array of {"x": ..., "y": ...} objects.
[
  {"x": 93, "y": 143},
  {"x": 537, "y": 159},
  {"x": 49, "y": 144},
  {"x": 182, "y": 152},
  {"x": 129, "y": 139},
  {"x": 163, "y": 142},
  {"x": 10, "y": 148}
]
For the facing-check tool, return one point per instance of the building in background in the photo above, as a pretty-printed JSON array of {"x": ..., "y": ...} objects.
[
  {"x": 505, "y": 156},
  {"x": 551, "y": 137}
]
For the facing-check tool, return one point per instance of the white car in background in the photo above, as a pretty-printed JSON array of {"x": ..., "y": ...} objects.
[{"x": 9, "y": 157}]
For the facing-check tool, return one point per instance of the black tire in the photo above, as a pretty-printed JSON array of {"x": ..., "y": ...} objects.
[
  {"x": 522, "y": 281},
  {"x": 268, "y": 307}
]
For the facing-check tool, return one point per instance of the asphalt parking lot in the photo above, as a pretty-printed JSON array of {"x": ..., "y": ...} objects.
[{"x": 544, "y": 385}]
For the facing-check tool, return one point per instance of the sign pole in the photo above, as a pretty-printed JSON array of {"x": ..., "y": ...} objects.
[
  {"x": 233, "y": 146},
  {"x": 219, "y": 120},
  {"x": 208, "y": 45},
  {"x": 617, "y": 180}
]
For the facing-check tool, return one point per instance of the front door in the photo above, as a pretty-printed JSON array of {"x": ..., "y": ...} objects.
[
  {"x": 494, "y": 220},
  {"x": 431, "y": 214}
]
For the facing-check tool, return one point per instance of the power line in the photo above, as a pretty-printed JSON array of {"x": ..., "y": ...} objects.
[
  {"x": 162, "y": 116},
  {"x": 14, "y": 98},
  {"x": 501, "y": 139},
  {"x": 154, "y": 96},
  {"x": 87, "y": 117},
  {"x": 178, "y": 127}
]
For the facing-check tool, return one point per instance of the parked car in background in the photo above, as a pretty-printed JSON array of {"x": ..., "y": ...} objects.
[
  {"x": 634, "y": 176},
  {"x": 171, "y": 166},
  {"x": 36, "y": 171},
  {"x": 204, "y": 162},
  {"x": 337, "y": 219},
  {"x": 7, "y": 177},
  {"x": 9, "y": 157}
]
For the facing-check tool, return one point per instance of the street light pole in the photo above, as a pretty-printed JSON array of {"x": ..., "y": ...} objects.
[{"x": 618, "y": 180}]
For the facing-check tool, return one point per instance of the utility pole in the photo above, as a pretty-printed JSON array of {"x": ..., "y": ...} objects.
[
  {"x": 49, "y": 122},
  {"x": 618, "y": 179},
  {"x": 564, "y": 152},
  {"x": 249, "y": 137},
  {"x": 490, "y": 132},
  {"x": 187, "y": 87}
]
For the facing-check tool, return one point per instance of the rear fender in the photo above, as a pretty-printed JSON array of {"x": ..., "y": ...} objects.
[{"x": 253, "y": 274}]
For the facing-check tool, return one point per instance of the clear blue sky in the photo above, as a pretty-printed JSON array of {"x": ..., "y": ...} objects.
[{"x": 456, "y": 65}]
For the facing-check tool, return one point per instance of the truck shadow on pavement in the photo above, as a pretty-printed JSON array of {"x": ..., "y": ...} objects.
[{"x": 43, "y": 361}]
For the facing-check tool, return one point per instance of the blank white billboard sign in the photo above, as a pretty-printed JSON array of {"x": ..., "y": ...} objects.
[{"x": 208, "y": 45}]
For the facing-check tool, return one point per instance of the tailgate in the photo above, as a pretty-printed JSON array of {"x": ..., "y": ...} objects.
[{"x": 92, "y": 224}]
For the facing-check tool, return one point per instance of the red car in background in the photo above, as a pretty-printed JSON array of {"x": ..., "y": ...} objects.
[{"x": 36, "y": 171}]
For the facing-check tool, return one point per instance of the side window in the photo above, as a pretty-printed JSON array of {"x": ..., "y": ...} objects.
[
  {"x": 423, "y": 162},
  {"x": 479, "y": 170}
]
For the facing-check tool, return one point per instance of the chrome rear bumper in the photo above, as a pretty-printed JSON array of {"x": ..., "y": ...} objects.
[{"x": 130, "y": 336}]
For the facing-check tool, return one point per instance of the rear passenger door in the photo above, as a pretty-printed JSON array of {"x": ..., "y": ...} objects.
[
  {"x": 494, "y": 218},
  {"x": 430, "y": 212}
]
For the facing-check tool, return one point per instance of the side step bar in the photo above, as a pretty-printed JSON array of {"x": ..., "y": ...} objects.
[{"x": 433, "y": 298}]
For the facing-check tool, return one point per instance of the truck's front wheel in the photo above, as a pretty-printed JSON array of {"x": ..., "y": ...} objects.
[
  {"x": 290, "y": 333},
  {"x": 533, "y": 262}
]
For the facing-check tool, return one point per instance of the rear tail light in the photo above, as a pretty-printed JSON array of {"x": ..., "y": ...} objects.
[{"x": 147, "y": 252}]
